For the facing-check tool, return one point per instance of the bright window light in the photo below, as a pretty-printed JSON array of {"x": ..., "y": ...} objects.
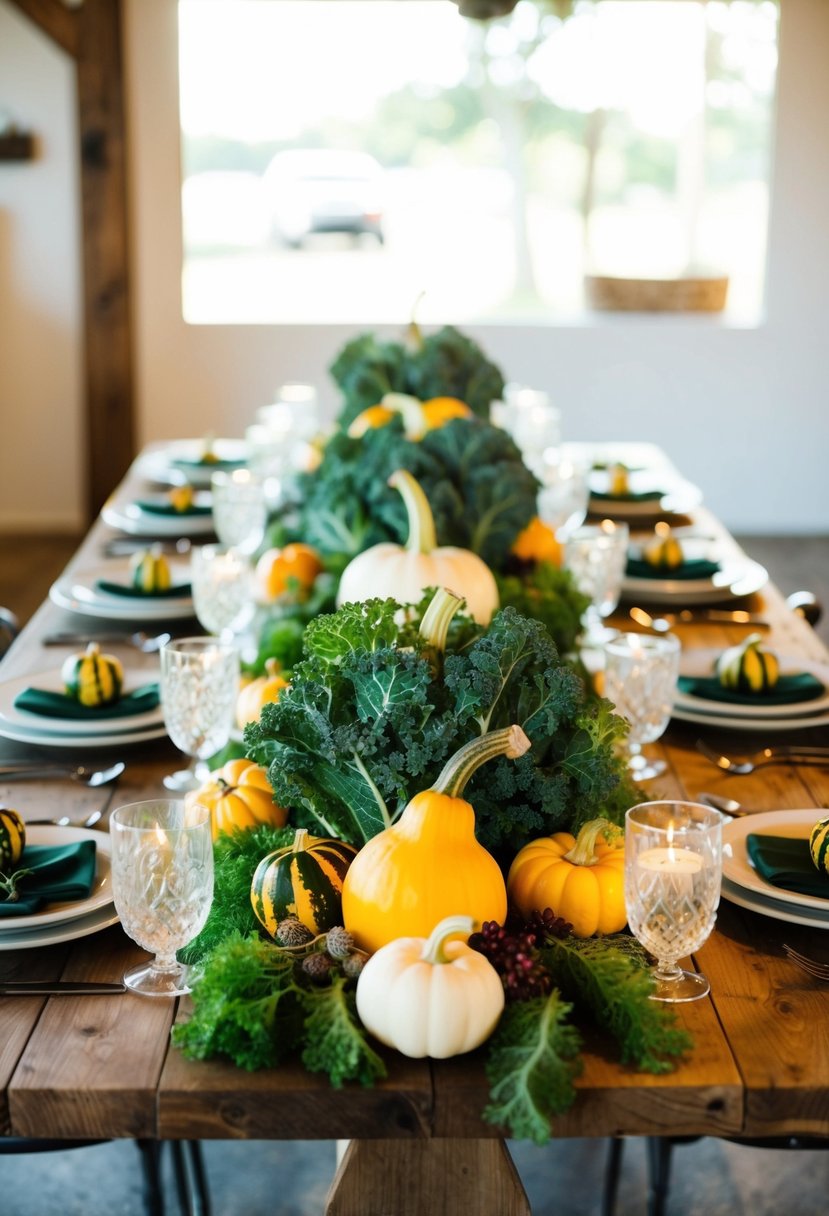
[{"x": 343, "y": 158}]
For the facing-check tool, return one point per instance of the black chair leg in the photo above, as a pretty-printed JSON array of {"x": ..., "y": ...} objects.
[
  {"x": 660, "y": 1149},
  {"x": 151, "y": 1164},
  {"x": 611, "y": 1176},
  {"x": 191, "y": 1178}
]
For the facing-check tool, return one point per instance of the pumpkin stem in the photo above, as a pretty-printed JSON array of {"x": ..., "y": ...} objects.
[
  {"x": 422, "y": 537},
  {"x": 438, "y": 617},
  {"x": 510, "y": 742},
  {"x": 583, "y": 852},
  {"x": 414, "y": 334},
  {"x": 410, "y": 410},
  {"x": 302, "y": 840},
  {"x": 450, "y": 926}
]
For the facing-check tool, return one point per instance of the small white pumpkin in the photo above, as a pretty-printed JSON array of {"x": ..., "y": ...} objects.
[
  {"x": 403, "y": 572},
  {"x": 429, "y": 996}
]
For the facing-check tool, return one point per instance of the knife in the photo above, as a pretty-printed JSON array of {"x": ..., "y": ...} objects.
[
  {"x": 697, "y": 616},
  {"x": 57, "y": 988}
]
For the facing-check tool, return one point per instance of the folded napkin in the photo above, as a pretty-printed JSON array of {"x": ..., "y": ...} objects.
[
  {"x": 787, "y": 863},
  {"x": 199, "y": 462},
  {"x": 51, "y": 704},
  {"x": 158, "y": 507},
  {"x": 643, "y": 496},
  {"x": 698, "y": 568},
  {"x": 60, "y": 873},
  {"x": 175, "y": 592},
  {"x": 789, "y": 690}
]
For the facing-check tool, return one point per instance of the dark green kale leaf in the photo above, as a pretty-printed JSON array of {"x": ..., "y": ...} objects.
[
  {"x": 366, "y": 369},
  {"x": 450, "y": 364},
  {"x": 543, "y": 591},
  {"x": 333, "y": 1036}
]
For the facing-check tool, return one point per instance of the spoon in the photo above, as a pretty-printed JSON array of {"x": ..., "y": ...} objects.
[
  {"x": 86, "y": 776},
  {"x": 728, "y": 806},
  {"x": 148, "y": 643},
  {"x": 66, "y": 821}
]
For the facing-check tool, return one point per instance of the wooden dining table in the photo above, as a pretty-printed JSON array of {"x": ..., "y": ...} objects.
[{"x": 75, "y": 1067}]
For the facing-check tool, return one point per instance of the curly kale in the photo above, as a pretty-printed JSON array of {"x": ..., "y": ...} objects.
[
  {"x": 370, "y": 719},
  {"x": 443, "y": 364},
  {"x": 543, "y": 591}
]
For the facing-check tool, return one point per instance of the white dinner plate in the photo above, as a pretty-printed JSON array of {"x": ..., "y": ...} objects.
[
  {"x": 739, "y": 871},
  {"x": 737, "y": 576},
  {"x": 700, "y": 662},
  {"x": 775, "y": 908},
  {"x": 173, "y": 463},
  {"x": 51, "y": 935},
  {"x": 78, "y": 592},
  {"x": 129, "y": 517},
  {"x": 40, "y": 724},
  {"x": 678, "y": 497},
  {"x": 56, "y": 913},
  {"x": 752, "y": 725},
  {"x": 128, "y": 738}
]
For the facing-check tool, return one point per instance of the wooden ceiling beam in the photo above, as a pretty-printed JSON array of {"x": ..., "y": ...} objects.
[{"x": 54, "y": 19}]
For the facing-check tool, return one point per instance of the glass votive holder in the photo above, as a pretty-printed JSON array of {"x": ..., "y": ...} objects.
[{"x": 240, "y": 509}]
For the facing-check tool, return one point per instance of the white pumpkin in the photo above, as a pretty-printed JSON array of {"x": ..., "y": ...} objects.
[
  {"x": 429, "y": 996},
  {"x": 403, "y": 572}
]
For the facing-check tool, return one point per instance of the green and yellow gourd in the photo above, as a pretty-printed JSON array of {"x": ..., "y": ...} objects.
[
  {"x": 748, "y": 667},
  {"x": 819, "y": 845},
  {"x": 93, "y": 678},
  {"x": 665, "y": 552},
  {"x": 305, "y": 880},
  {"x": 12, "y": 838},
  {"x": 150, "y": 570}
]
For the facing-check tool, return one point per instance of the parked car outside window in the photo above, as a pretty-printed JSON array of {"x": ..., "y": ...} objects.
[{"x": 320, "y": 190}]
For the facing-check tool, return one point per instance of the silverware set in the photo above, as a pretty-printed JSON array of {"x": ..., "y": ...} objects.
[
  {"x": 31, "y": 770},
  {"x": 818, "y": 970},
  {"x": 697, "y": 616},
  {"x": 147, "y": 643},
  {"x": 785, "y": 754}
]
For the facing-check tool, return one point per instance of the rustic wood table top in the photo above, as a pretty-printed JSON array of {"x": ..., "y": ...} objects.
[{"x": 76, "y": 1067}]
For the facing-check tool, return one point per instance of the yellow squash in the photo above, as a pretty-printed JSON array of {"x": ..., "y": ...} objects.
[
  {"x": 581, "y": 879},
  {"x": 748, "y": 667},
  {"x": 429, "y": 865},
  {"x": 261, "y": 691},
  {"x": 537, "y": 543},
  {"x": 238, "y": 796},
  {"x": 418, "y": 416}
]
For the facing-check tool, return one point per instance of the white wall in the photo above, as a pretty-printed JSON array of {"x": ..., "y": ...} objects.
[
  {"x": 41, "y": 339},
  {"x": 742, "y": 411}
]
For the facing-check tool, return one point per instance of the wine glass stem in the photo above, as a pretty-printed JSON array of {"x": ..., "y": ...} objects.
[
  {"x": 667, "y": 970},
  {"x": 165, "y": 962}
]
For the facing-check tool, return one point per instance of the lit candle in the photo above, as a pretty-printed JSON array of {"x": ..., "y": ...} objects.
[{"x": 675, "y": 867}]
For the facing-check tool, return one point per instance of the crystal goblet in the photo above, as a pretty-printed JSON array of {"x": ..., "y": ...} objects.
[
  {"x": 640, "y": 676},
  {"x": 563, "y": 498},
  {"x": 596, "y": 555},
  {"x": 240, "y": 509},
  {"x": 223, "y": 589},
  {"x": 673, "y": 874},
  {"x": 162, "y": 885},
  {"x": 199, "y": 686}
]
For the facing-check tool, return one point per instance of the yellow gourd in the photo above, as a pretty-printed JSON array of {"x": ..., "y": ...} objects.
[
  {"x": 12, "y": 838},
  {"x": 429, "y": 865},
  {"x": 664, "y": 552},
  {"x": 619, "y": 481},
  {"x": 280, "y": 572},
  {"x": 581, "y": 879},
  {"x": 238, "y": 796},
  {"x": 180, "y": 498},
  {"x": 93, "y": 678},
  {"x": 537, "y": 543},
  {"x": 748, "y": 667},
  {"x": 150, "y": 570},
  {"x": 418, "y": 416},
  {"x": 819, "y": 845},
  {"x": 403, "y": 572},
  {"x": 259, "y": 692}
]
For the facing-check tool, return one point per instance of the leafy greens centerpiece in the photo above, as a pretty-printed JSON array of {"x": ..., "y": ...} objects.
[{"x": 378, "y": 704}]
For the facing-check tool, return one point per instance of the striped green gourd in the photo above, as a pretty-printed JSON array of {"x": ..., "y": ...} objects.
[
  {"x": 12, "y": 838},
  {"x": 150, "y": 570},
  {"x": 819, "y": 845},
  {"x": 305, "y": 880},
  {"x": 93, "y": 678},
  {"x": 748, "y": 667}
]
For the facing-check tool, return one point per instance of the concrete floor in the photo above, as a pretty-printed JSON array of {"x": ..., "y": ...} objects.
[{"x": 710, "y": 1178}]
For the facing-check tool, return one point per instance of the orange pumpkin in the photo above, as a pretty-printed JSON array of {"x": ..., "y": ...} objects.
[
  {"x": 256, "y": 693},
  {"x": 440, "y": 410},
  {"x": 537, "y": 543},
  {"x": 279, "y": 569},
  {"x": 239, "y": 796}
]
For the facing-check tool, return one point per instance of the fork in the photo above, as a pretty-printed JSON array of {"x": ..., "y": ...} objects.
[
  {"x": 820, "y": 971},
  {"x": 742, "y": 766},
  {"x": 147, "y": 643}
]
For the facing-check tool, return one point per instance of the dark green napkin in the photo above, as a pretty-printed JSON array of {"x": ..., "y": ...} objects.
[
  {"x": 61, "y": 873},
  {"x": 787, "y": 863},
  {"x": 175, "y": 592},
  {"x": 698, "y": 568},
  {"x": 155, "y": 507},
  {"x": 789, "y": 690},
  {"x": 188, "y": 462},
  {"x": 60, "y": 705},
  {"x": 644, "y": 496}
]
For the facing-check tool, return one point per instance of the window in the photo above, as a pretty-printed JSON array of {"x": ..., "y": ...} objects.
[{"x": 344, "y": 157}]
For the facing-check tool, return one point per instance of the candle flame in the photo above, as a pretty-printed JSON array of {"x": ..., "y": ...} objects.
[{"x": 161, "y": 835}]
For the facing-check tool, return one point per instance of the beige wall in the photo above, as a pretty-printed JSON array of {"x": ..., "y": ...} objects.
[
  {"x": 40, "y": 289},
  {"x": 742, "y": 411}
]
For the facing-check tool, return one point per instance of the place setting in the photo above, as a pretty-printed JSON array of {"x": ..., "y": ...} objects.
[
  {"x": 749, "y": 687},
  {"x": 674, "y": 566},
  {"x": 192, "y": 461},
  {"x": 774, "y": 863},
  {"x": 148, "y": 586},
  {"x": 90, "y": 701},
  {"x": 621, "y": 493},
  {"x": 55, "y": 886},
  {"x": 181, "y": 511}
]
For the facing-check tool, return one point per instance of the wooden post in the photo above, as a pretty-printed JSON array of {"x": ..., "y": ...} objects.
[{"x": 91, "y": 34}]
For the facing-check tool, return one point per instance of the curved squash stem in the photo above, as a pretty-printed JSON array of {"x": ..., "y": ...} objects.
[
  {"x": 510, "y": 742},
  {"x": 433, "y": 948},
  {"x": 583, "y": 852},
  {"x": 438, "y": 617},
  {"x": 422, "y": 538},
  {"x": 410, "y": 410},
  {"x": 414, "y": 334},
  {"x": 302, "y": 840}
]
